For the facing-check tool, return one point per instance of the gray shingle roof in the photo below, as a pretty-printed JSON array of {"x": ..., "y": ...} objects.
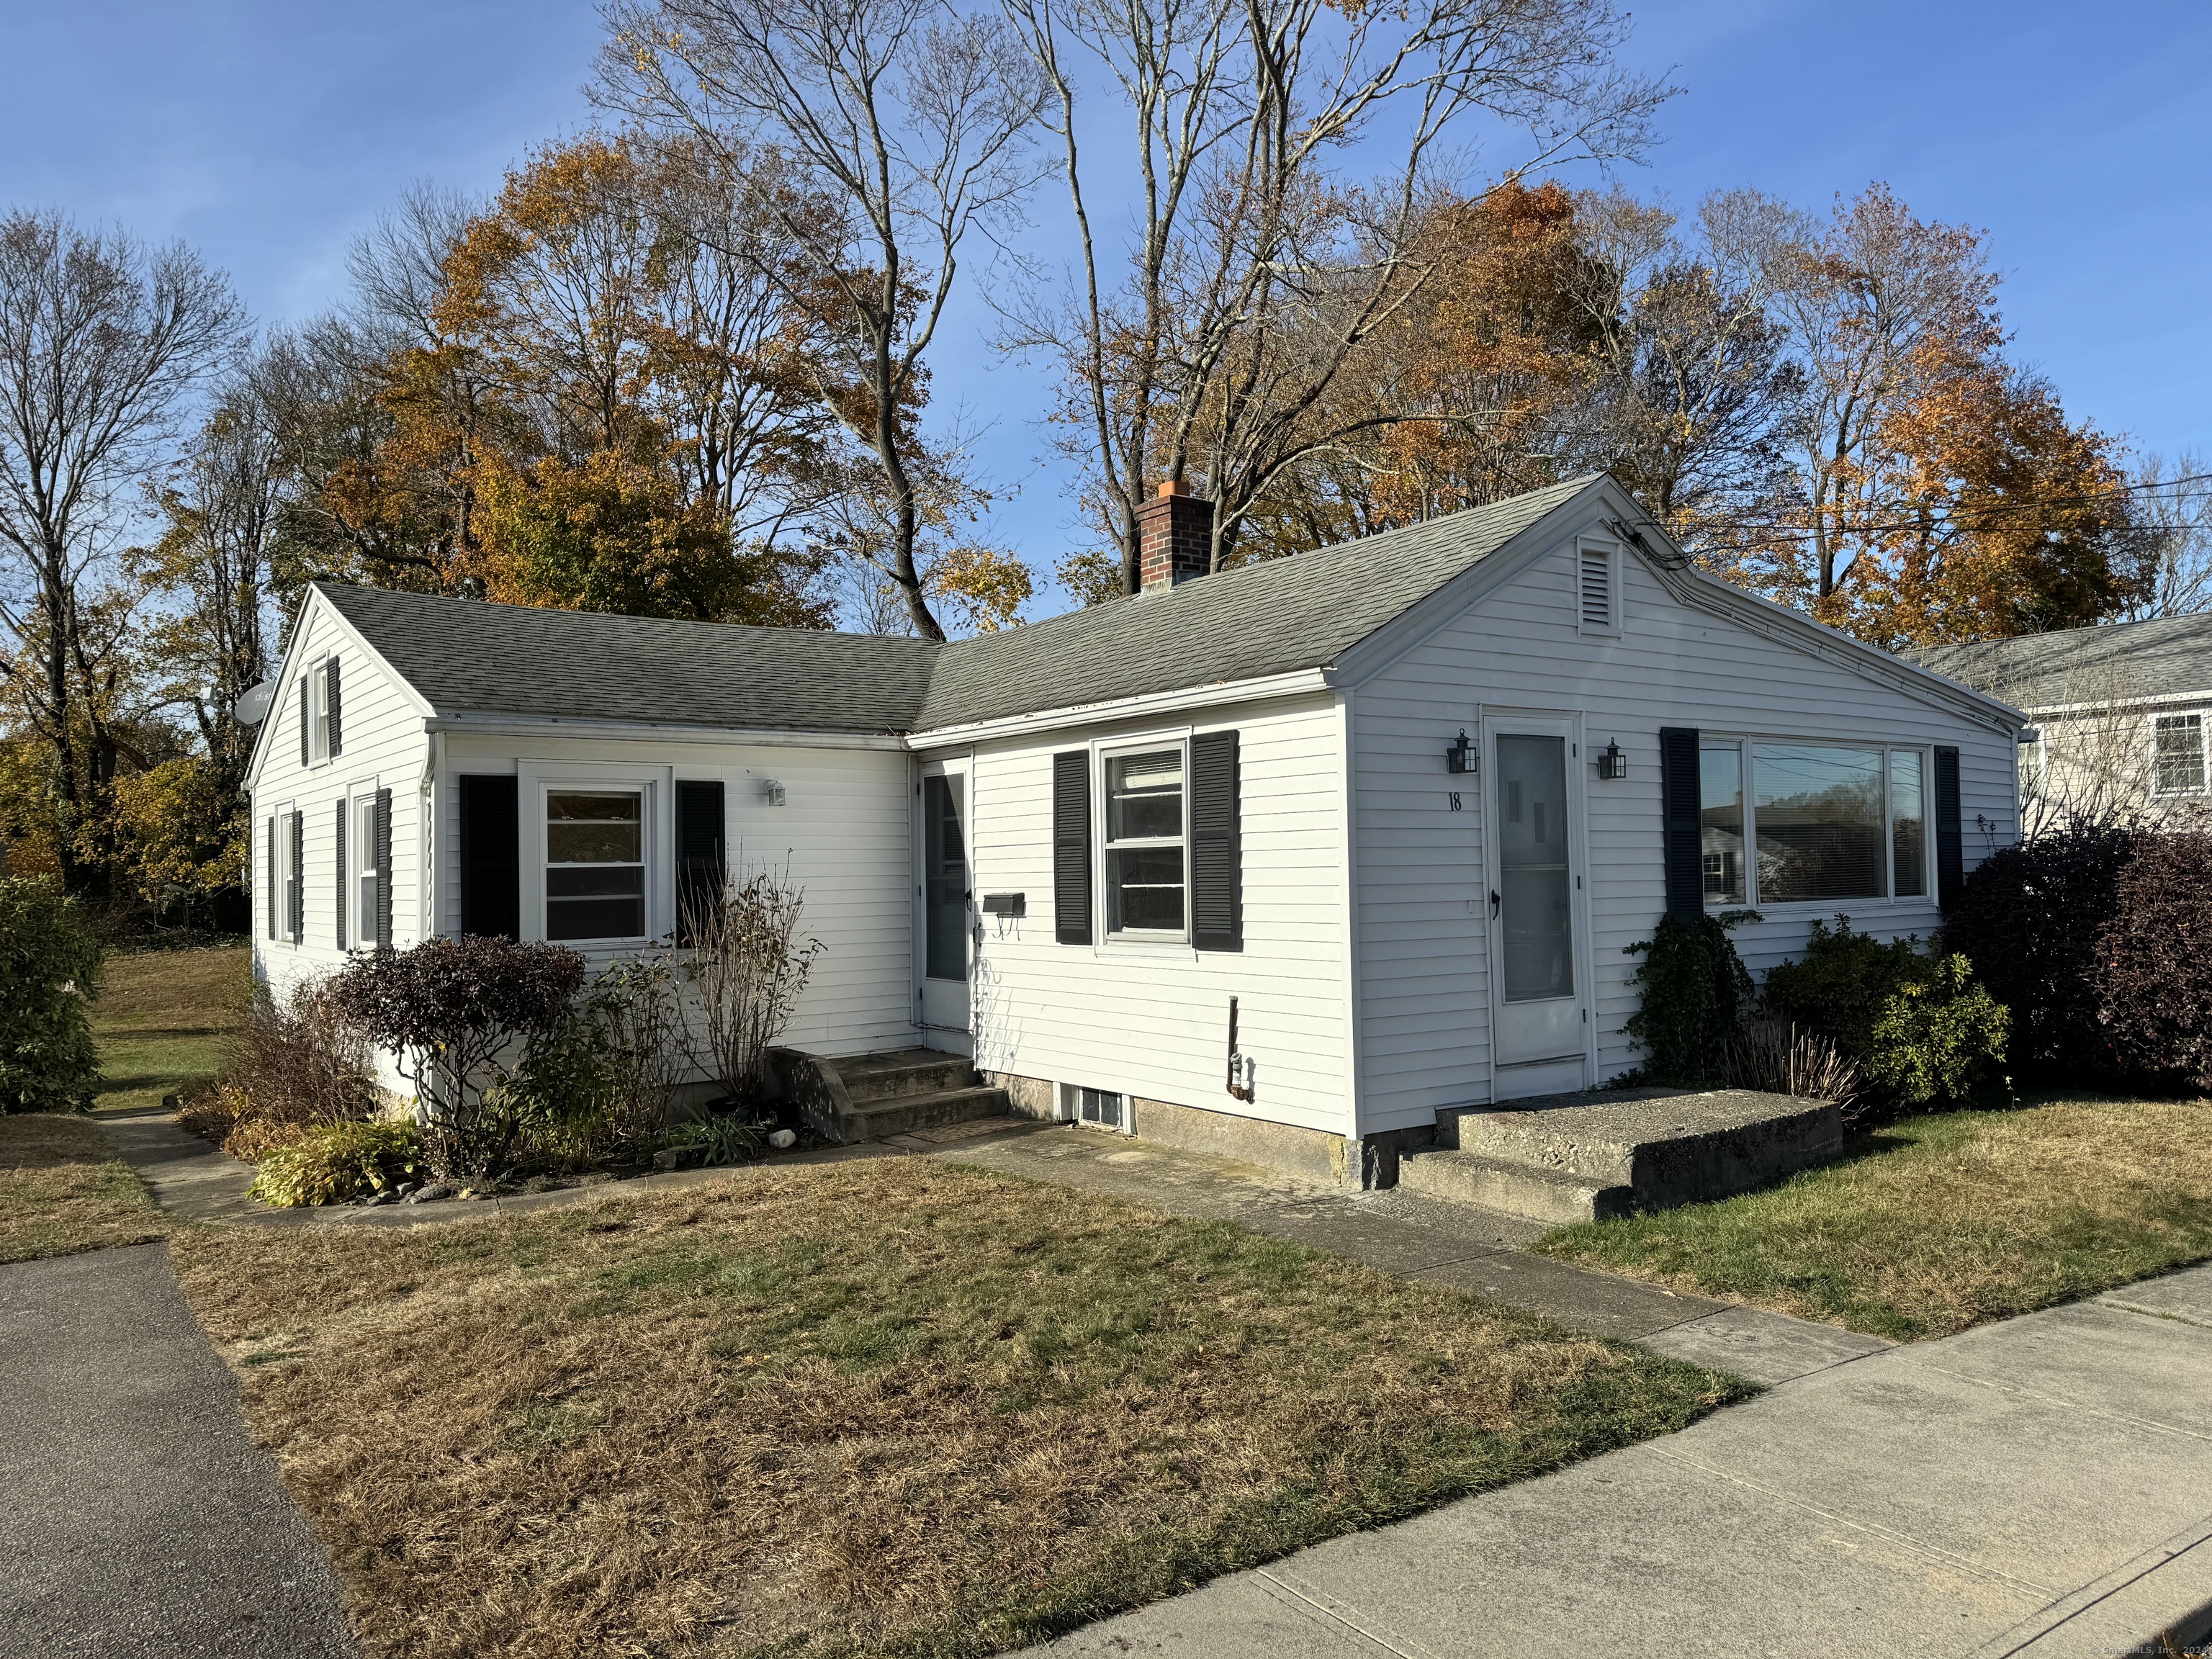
[
  {"x": 2171, "y": 657},
  {"x": 467, "y": 657}
]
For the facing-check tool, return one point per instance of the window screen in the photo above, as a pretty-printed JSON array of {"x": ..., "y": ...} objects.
[
  {"x": 594, "y": 865},
  {"x": 1144, "y": 841},
  {"x": 2177, "y": 754},
  {"x": 1720, "y": 821},
  {"x": 1818, "y": 815}
]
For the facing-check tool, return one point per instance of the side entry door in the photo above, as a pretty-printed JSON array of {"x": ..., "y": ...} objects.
[{"x": 944, "y": 891}]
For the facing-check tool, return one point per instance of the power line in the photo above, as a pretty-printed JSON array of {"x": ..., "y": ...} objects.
[{"x": 1944, "y": 518}]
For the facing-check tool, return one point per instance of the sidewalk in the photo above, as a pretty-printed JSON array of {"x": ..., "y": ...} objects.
[
  {"x": 2041, "y": 1486},
  {"x": 138, "y": 1518}
]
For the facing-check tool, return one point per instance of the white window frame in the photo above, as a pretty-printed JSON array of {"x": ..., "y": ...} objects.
[
  {"x": 1103, "y": 754},
  {"x": 286, "y": 875},
  {"x": 1745, "y": 742},
  {"x": 361, "y": 874},
  {"x": 319, "y": 712},
  {"x": 1609, "y": 550},
  {"x": 2203, "y": 756},
  {"x": 646, "y": 873}
]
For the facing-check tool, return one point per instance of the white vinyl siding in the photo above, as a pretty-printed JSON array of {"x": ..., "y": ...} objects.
[
  {"x": 842, "y": 833},
  {"x": 1151, "y": 1020},
  {"x": 1421, "y": 899},
  {"x": 384, "y": 746}
]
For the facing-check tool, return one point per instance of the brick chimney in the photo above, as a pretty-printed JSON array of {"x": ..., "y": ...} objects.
[{"x": 1176, "y": 534}]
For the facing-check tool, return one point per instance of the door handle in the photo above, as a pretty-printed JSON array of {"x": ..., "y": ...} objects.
[{"x": 1493, "y": 903}]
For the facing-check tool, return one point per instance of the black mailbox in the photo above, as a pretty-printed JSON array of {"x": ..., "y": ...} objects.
[{"x": 1006, "y": 904}]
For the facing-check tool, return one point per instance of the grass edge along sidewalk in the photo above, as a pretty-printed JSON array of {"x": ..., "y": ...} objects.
[
  {"x": 1938, "y": 1223},
  {"x": 895, "y": 1405}
]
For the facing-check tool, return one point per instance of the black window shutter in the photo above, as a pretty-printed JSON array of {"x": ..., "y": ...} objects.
[
  {"x": 492, "y": 863},
  {"x": 339, "y": 869},
  {"x": 269, "y": 910},
  {"x": 1071, "y": 846},
  {"x": 700, "y": 871},
  {"x": 331, "y": 697},
  {"x": 1217, "y": 876},
  {"x": 295, "y": 898},
  {"x": 306, "y": 708},
  {"x": 1950, "y": 849},
  {"x": 1682, "y": 831},
  {"x": 383, "y": 870}
]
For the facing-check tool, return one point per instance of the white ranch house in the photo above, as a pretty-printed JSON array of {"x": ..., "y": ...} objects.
[{"x": 1401, "y": 803}]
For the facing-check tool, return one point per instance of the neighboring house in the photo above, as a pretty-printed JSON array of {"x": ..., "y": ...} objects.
[
  {"x": 2121, "y": 714},
  {"x": 1404, "y": 802}
]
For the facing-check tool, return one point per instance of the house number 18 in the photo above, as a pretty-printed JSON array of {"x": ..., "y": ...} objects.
[{"x": 1455, "y": 800}]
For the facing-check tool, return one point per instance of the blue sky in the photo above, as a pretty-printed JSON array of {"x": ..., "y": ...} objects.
[{"x": 2079, "y": 136}]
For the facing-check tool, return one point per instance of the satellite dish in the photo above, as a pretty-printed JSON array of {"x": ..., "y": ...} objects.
[{"x": 254, "y": 703}]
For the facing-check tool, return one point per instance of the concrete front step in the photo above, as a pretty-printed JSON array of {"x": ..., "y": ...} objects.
[
  {"x": 874, "y": 1096},
  {"x": 1528, "y": 1191},
  {"x": 870, "y": 1077},
  {"x": 882, "y": 1119}
]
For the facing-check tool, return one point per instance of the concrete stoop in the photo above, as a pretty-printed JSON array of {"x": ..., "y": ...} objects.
[
  {"x": 1564, "y": 1158},
  {"x": 875, "y": 1097}
]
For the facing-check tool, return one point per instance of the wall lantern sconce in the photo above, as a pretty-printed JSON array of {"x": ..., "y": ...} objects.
[
  {"x": 1611, "y": 762},
  {"x": 1460, "y": 758},
  {"x": 772, "y": 791}
]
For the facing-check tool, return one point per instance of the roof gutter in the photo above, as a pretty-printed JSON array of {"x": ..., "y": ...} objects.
[
  {"x": 1292, "y": 684},
  {"x": 555, "y": 726}
]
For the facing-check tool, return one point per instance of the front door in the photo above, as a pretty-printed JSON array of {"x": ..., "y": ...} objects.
[
  {"x": 945, "y": 893},
  {"x": 1538, "y": 997}
]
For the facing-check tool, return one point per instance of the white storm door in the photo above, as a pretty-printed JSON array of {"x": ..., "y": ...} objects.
[
  {"x": 944, "y": 887},
  {"x": 1538, "y": 963}
]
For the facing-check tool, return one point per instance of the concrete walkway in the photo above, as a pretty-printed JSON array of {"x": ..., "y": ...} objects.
[
  {"x": 136, "y": 1516},
  {"x": 2042, "y": 1486}
]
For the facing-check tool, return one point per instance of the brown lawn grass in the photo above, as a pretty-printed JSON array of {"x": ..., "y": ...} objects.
[
  {"x": 893, "y": 1406},
  {"x": 1943, "y": 1221},
  {"x": 163, "y": 1020},
  {"x": 62, "y": 1190}
]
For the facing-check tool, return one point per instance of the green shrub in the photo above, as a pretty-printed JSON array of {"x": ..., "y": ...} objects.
[
  {"x": 340, "y": 1161},
  {"x": 49, "y": 972},
  {"x": 1938, "y": 1040},
  {"x": 1842, "y": 983},
  {"x": 1694, "y": 991},
  {"x": 1923, "y": 1029}
]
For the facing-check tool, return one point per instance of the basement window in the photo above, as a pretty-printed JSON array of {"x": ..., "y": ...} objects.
[{"x": 1101, "y": 1107}]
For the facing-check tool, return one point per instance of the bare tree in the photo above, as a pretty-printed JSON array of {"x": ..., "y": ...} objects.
[
  {"x": 101, "y": 341},
  {"x": 2172, "y": 524},
  {"x": 1256, "y": 272},
  {"x": 882, "y": 136}
]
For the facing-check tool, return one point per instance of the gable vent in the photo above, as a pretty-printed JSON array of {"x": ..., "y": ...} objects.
[{"x": 1596, "y": 590}]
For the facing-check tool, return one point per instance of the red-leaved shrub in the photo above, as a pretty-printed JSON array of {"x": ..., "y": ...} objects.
[{"x": 2152, "y": 971}]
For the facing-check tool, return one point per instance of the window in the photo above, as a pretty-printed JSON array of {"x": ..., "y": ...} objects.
[
  {"x": 1784, "y": 822},
  {"x": 319, "y": 713},
  {"x": 1144, "y": 850},
  {"x": 288, "y": 841},
  {"x": 1720, "y": 802},
  {"x": 363, "y": 843},
  {"x": 1099, "y": 1106},
  {"x": 2177, "y": 754},
  {"x": 1908, "y": 825},
  {"x": 594, "y": 864}
]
